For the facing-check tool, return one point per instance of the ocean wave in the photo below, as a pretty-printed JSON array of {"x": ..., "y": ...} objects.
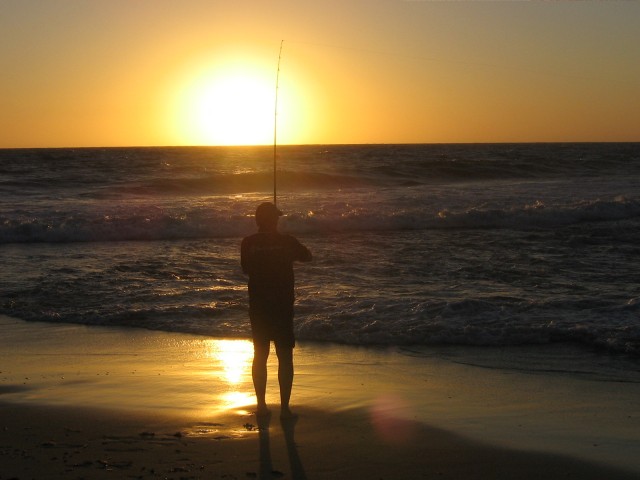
[
  {"x": 228, "y": 183},
  {"x": 472, "y": 245},
  {"x": 473, "y": 322},
  {"x": 149, "y": 222},
  {"x": 539, "y": 215},
  {"x": 492, "y": 322},
  {"x": 162, "y": 171}
]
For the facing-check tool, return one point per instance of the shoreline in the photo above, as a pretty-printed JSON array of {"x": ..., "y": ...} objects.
[{"x": 360, "y": 408}]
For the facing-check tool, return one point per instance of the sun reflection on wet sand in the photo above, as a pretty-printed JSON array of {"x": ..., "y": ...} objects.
[
  {"x": 191, "y": 376},
  {"x": 234, "y": 359}
]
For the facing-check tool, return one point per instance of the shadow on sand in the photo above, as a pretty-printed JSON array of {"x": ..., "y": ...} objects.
[{"x": 266, "y": 465}]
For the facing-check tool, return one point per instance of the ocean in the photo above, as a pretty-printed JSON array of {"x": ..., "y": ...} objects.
[{"x": 490, "y": 245}]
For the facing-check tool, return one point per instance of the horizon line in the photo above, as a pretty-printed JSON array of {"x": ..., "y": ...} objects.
[{"x": 537, "y": 142}]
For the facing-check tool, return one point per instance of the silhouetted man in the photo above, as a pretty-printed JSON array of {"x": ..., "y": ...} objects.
[{"x": 268, "y": 257}]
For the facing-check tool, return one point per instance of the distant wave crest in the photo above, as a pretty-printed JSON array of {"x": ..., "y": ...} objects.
[{"x": 155, "y": 223}]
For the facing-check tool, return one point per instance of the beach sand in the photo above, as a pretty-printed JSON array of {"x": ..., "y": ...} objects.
[{"x": 93, "y": 402}]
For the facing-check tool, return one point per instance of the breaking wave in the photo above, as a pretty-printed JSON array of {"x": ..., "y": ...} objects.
[{"x": 149, "y": 222}]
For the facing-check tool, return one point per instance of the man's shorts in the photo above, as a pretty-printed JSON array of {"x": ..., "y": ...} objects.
[{"x": 271, "y": 322}]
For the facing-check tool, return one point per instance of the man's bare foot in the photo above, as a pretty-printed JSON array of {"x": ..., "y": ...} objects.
[
  {"x": 286, "y": 413},
  {"x": 262, "y": 411}
]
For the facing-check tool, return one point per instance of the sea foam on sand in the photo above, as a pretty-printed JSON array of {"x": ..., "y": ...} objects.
[{"x": 85, "y": 401}]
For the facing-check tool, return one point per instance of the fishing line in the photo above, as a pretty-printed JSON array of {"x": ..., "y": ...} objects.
[
  {"x": 275, "y": 128},
  {"x": 466, "y": 63},
  {"x": 402, "y": 55}
]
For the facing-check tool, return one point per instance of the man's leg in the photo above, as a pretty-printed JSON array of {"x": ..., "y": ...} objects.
[
  {"x": 259, "y": 374},
  {"x": 285, "y": 377}
]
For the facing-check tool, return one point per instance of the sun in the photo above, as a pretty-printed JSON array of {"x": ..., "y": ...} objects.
[
  {"x": 236, "y": 109},
  {"x": 228, "y": 105},
  {"x": 228, "y": 97}
]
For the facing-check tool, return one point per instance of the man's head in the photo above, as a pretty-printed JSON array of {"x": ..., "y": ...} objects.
[{"x": 267, "y": 215}]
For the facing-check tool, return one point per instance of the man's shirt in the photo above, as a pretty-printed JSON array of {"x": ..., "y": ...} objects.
[{"x": 267, "y": 257}]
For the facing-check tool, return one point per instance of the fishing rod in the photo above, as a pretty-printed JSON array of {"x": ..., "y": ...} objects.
[{"x": 275, "y": 127}]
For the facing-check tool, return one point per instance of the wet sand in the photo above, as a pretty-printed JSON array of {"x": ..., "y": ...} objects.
[{"x": 80, "y": 402}]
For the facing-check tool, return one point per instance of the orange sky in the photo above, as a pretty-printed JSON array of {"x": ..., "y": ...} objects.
[{"x": 157, "y": 72}]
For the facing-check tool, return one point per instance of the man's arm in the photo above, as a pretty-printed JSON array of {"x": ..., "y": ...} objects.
[{"x": 302, "y": 253}]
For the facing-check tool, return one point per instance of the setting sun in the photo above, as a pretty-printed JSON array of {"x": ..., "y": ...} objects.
[
  {"x": 233, "y": 108},
  {"x": 232, "y": 102},
  {"x": 228, "y": 106}
]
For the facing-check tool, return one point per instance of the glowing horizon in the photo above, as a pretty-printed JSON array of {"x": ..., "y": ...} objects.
[{"x": 161, "y": 74}]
